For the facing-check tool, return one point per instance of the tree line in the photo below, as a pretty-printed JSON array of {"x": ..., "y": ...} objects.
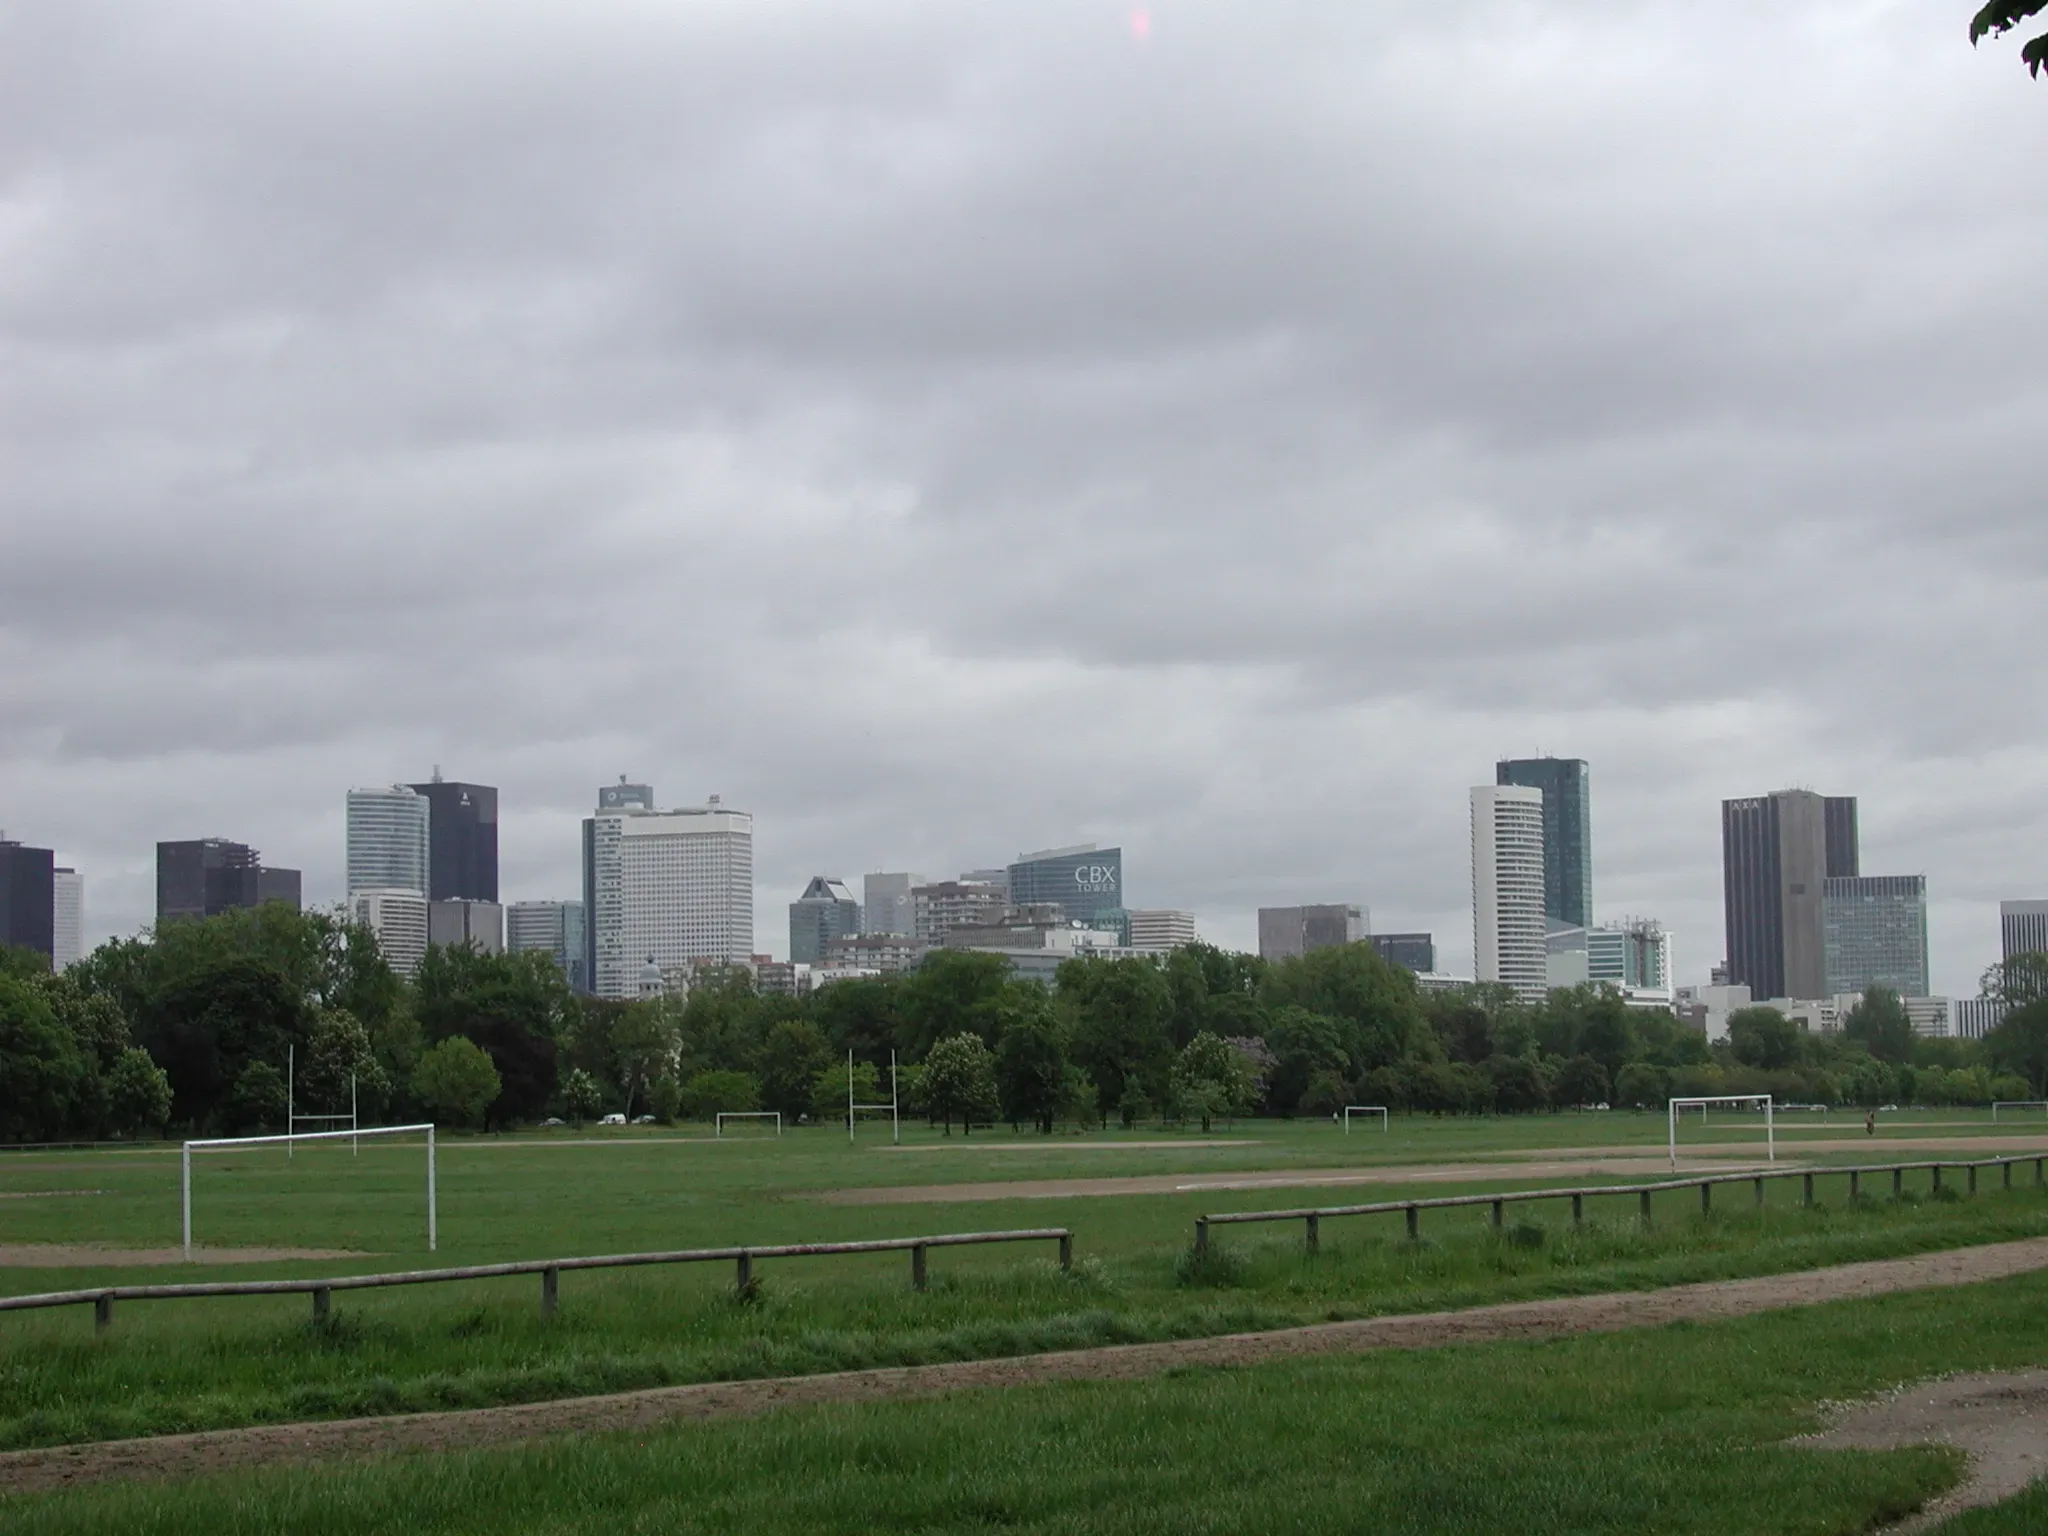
[{"x": 197, "y": 1026}]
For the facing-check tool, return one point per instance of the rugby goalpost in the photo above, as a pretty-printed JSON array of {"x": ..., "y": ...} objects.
[
  {"x": 1701, "y": 1104},
  {"x": 214, "y": 1144},
  {"x": 718, "y": 1120},
  {"x": 293, "y": 1119},
  {"x": 1998, "y": 1104},
  {"x": 895, "y": 1114},
  {"x": 1386, "y": 1122}
]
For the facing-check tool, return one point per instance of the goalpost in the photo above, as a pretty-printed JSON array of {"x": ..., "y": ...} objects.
[
  {"x": 293, "y": 1119},
  {"x": 723, "y": 1115},
  {"x": 216, "y": 1143},
  {"x": 1700, "y": 1104},
  {"x": 1998, "y": 1104},
  {"x": 1366, "y": 1109},
  {"x": 895, "y": 1118}
]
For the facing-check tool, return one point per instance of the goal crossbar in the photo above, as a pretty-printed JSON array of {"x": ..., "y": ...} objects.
[
  {"x": 723, "y": 1115},
  {"x": 1700, "y": 1104},
  {"x": 214, "y": 1144},
  {"x": 1386, "y": 1120},
  {"x": 1998, "y": 1104}
]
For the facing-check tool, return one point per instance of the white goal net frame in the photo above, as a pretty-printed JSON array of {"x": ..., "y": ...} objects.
[
  {"x": 1998, "y": 1104},
  {"x": 215, "y": 1144},
  {"x": 1703, "y": 1103},
  {"x": 1386, "y": 1120},
  {"x": 718, "y": 1119}
]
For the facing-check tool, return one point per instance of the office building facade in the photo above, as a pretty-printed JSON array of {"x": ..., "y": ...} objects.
[
  {"x": 28, "y": 897},
  {"x": 1876, "y": 934},
  {"x": 477, "y": 925},
  {"x": 885, "y": 903},
  {"x": 398, "y": 917},
  {"x": 389, "y": 840},
  {"x": 2023, "y": 928},
  {"x": 674, "y": 886},
  {"x": 1508, "y": 925},
  {"x": 67, "y": 929},
  {"x": 1086, "y": 881},
  {"x": 556, "y": 929},
  {"x": 1567, "y": 831},
  {"x": 1287, "y": 933},
  {"x": 1778, "y": 852},
  {"x": 206, "y": 876},
  {"x": 826, "y": 911},
  {"x": 1159, "y": 930},
  {"x": 1412, "y": 951},
  {"x": 462, "y": 839},
  {"x": 937, "y": 909}
]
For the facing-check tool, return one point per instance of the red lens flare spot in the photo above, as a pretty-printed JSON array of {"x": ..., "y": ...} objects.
[{"x": 1141, "y": 24}]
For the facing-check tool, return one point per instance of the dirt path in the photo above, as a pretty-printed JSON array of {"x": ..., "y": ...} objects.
[
  {"x": 1999, "y": 1420},
  {"x": 223, "y": 1450},
  {"x": 90, "y": 1256}
]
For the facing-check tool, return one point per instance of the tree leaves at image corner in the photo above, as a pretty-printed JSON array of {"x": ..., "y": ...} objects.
[{"x": 2002, "y": 16}]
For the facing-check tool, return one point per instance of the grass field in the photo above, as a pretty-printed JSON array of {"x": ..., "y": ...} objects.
[
  {"x": 183, "y": 1365},
  {"x": 1682, "y": 1430}
]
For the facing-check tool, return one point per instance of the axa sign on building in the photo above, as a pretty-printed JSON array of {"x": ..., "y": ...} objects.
[{"x": 1087, "y": 881}]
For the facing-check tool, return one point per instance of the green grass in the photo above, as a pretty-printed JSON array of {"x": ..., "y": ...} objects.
[
  {"x": 1679, "y": 1430},
  {"x": 2024, "y": 1515}
]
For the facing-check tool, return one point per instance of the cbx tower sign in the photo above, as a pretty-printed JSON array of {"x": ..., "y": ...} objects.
[{"x": 1086, "y": 880}]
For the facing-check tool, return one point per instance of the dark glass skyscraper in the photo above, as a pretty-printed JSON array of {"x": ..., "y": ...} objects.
[
  {"x": 28, "y": 897},
  {"x": 206, "y": 876},
  {"x": 462, "y": 840},
  {"x": 1567, "y": 831},
  {"x": 1778, "y": 852},
  {"x": 1086, "y": 881}
]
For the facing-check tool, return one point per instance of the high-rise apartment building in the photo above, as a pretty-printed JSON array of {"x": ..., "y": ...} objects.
[
  {"x": 389, "y": 839},
  {"x": 554, "y": 927},
  {"x": 1286, "y": 933},
  {"x": 1876, "y": 934},
  {"x": 1778, "y": 852},
  {"x": 477, "y": 925},
  {"x": 462, "y": 839},
  {"x": 2023, "y": 928},
  {"x": 1508, "y": 927},
  {"x": 676, "y": 887},
  {"x": 1415, "y": 951},
  {"x": 886, "y": 906},
  {"x": 28, "y": 897},
  {"x": 1567, "y": 831},
  {"x": 67, "y": 933},
  {"x": 1160, "y": 930},
  {"x": 937, "y": 909},
  {"x": 1086, "y": 881},
  {"x": 398, "y": 917},
  {"x": 206, "y": 876},
  {"x": 826, "y": 911}
]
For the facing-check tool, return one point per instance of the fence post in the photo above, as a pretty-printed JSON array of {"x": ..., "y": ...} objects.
[
  {"x": 1066, "y": 1250},
  {"x": 1414, "y": 1223},
  {"x": 1646, "y": 1207},
  {"x": 550, "y": 1290},
  {"x": 102, "y": 1312},
  {"x": 1855, "y": 1185},
  {"x": 917, "y": 1276},
  {"x": 2006, "y": 1169},
  {"x": 1808, "y": 1197},
  {"x": 1899, "y": 1181},
  {"x": 1314, "y": 1234},
  {"x": 322, "y": 1302},
  {"x": 745, "y": 1279},
  {"x": 1201, "y": 1237},
  {"x": 1706, "y": 1197},
  {"x": 2038, "y": 1163},
  {"x": 1759, "y": 1194},
  {"x": 1973, "y": 1178},
  {"x": 1497, "y": 1212},
  {"x": 1578, "y": 1210}
]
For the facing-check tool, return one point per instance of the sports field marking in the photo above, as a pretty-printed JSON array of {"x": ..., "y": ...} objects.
[
  {"x": 46, "y": 1194},
  {"x": 1054, "y": 1144},
  {"x": 167, "y": 1456}
]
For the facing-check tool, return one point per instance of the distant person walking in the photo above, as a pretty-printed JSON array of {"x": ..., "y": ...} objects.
[{"x": 1870, "y": 1123}]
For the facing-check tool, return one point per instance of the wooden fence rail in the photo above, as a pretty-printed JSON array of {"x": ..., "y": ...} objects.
[
  {"x": 1312, "y": 1217},
  {"x": 102, "y": 1298}
]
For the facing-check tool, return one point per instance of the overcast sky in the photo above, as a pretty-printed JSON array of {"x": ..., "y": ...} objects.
[{"x": 952, "y": 428}]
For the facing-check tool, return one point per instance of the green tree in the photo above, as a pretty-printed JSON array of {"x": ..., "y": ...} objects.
[
  {"x": 1305, "y": 1046},
  {"x": 2019, "y": 1043},
  {"x": 339, "y": 1066},
  {"x": 829, "y": 1092},
  {"x": 665, "y": 1098},
  {"x": 959, "y": 1079},
  {"x": 643, "y": 1042},
  {"x": 1518, "y": 1084},
  {"x": 1374, "y": 1001},
  {"x": 1763, "y": 1037},
  {"x": 516, "y": 1007},
  {"x": 138, "y": 1094},
  {"x": 1640, "y": 1085},
  {"x": 257, "y": 1100},
  {"x": 582, "y": 1099},
  {"x": 1998, "y": 17},
  {"x": 457, "y": 1080},
  {"x": 1878, "y": 1023},
  {"x": 1582, "y": 1081},
  {"x": 710, "y": 1094},
  {"x": 41, "y": 1068},
  {"x": 1031, "y": 1069},
  {"x": 1210, "y": 1079},
  {"x": 789, "y": 1061},
  {"x": 954, "y": 990},
  {"x": 860, "y": 1015},
  {"x": 1119, "y": 1011}
]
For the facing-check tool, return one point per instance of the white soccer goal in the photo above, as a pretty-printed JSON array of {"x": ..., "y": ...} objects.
[
  {"x": 1998, "y": 1104},
  {"x": 1702, "y": 1105},
  {"x": 217, "y": 1143},
  {"x": 1386, "y": 1124},
  {"x": 719, "y": 1119},
  {"x": 853, "y": 1109}
]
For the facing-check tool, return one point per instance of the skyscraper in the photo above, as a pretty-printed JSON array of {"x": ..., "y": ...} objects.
[
  {"x": 477, "y": 925},
  {"x": 1086, "y": 881},
  {"x": 1876, "y": 934},
  {"x": 826, "y": 911},
  {"x": 462, "y": 839},
  {"x": 68, "y": 919},
  {"x": 389, "y": 844},
  {"x": 1777, "y": 853},
  {"x": 886, "y": 906},
  {"x": 555, "y": 927},
  {"x": 1161, "y": 930},
  {"x": 205, "y": 876},
  {"x": 674, "y": 885},
  {"x": 1286, "y": 933},
  {"x": 1567, "y": 831},
  {"x": 398, "y": 917},
  {"x": 28, "y": 897},
  {"x": 1416, "y": 951},
  {"x": 1508, "y": 944},
  {"x": 2023, "y": 928}
]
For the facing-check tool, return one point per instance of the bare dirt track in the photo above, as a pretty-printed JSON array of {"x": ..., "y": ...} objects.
[
  {"x": 87, "y": 1256},
  {"x": 166, "y": 1456}
]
